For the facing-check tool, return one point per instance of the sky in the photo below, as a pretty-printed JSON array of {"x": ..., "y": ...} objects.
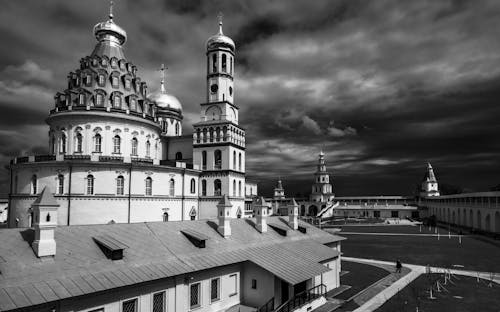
[{"x": 382, "y": 87}]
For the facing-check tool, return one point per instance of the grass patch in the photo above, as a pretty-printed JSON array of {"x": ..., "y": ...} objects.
[
  {"x": 466, "y": 294},
  {"x": 359, "y": 277}
]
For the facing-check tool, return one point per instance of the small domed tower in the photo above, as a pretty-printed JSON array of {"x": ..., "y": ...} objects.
[
  {"x": 322, "y": 190},
  {"x": 169, "y": 109},
  {"x": 429, "y": 183}
]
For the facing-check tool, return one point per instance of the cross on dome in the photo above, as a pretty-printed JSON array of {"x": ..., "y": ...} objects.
[
  {"x": 162, "y": 86},
  {"x": 111, "y": 10},
  {"x": 219, "y": 18}
]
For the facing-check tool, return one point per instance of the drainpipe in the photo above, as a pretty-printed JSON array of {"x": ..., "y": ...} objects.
[
  {"x": 129, "y": 188},
  {"x": 69, "y": 192}
]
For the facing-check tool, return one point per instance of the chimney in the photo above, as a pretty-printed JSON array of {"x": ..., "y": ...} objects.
[
  {"x": 260, "y": 209},
  {"x": 223, "y": 214},
  {"x": 45, "y": 223},
  {"x": 293, "y": 215}
]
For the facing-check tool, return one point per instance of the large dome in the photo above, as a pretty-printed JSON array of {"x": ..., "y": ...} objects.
[
  {"x": 220, "y": 40},
  {"x": 165, "y": 100}
]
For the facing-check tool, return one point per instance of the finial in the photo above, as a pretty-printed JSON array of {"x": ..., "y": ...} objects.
[
  {"x": 219, "y": 18},
  {"x": 162, "y": 86},
  {"x": 111, "y": 10}
]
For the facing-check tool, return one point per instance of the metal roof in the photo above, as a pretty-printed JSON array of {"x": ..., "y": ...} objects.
[{"x": 155, "y": 250}]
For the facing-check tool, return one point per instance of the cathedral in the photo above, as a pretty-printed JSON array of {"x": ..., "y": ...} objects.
[{"x": 118, "y": 154}]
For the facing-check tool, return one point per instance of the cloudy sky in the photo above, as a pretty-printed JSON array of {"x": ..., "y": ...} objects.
[{"x": 381, "y": 86}]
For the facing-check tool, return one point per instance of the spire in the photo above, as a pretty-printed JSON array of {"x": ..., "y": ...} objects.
[
  {"x": 219, "y": 18},
  {"x": 111, "y": 10},
  {"x": 162, "y": 86}
]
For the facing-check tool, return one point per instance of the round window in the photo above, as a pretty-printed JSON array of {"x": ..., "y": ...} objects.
[
  {"x": 231, "y": 91},
  {"x": 214, "y": 88}
]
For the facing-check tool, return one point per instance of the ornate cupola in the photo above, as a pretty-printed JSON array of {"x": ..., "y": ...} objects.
[
  {"x": 279, "y": 191},
  {"x": 104, "y": 94},
  {"x": 169, "y": 109}
]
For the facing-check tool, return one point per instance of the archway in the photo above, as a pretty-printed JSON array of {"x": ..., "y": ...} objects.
[
  {"x": 471, "y": 219},
  {"x": 497, "y": 222},
  {"x": 479, "y": 221},
  {"x": 453, "y": 221},
  {"x": 487, "y": 223},
  {"x": 465, "y": 218},
  {"x": 313, "y": 210},
  {"x": 448, "y": 217},
  {"x": 459, "y": 218}
]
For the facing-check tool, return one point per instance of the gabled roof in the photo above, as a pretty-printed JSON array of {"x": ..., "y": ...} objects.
[
  {"x": 155, "y": 250},
  {"x": 45, "y": 198},
  {"x": 224, "y": 201}
]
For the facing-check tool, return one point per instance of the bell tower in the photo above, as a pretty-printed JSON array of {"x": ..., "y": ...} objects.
[
  {"x": 218, "y": 140},
  {"x": 322, "y": 190}
]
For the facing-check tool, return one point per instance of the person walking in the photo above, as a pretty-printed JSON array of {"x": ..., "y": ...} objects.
[{"x": 398, "y": 266}]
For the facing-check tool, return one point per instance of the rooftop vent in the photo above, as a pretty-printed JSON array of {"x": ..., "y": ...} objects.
[
  {"x": 112, "y": 248},
  {"x": 198, "y": 239},
  {"x": 280, "y": 229}
]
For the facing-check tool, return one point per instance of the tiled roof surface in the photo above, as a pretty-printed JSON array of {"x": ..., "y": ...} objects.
[{"x": 155, "y": 250}]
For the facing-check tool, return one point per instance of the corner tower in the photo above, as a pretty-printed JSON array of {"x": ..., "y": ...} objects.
[
  {"x": 429, "y": 183},
  {"x": 218, "y": 139},
  {"x": 322, "y": 190}
]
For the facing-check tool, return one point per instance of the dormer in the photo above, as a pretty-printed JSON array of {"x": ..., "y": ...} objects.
[
  {"x": 110, "y": 246},
  {"x": 196, "y": 238}
]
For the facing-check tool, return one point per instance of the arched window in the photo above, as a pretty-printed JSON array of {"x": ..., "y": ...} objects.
[
  {"x": 172, "y": 187},
  {"x": 239, "y": 188},
  {"x": 234, "y": 187},
  {"x": 101, "y": 81},
  {"x": 148, "y": 149},
  {"x": 81, "y": 99},
  {"x": 52, "y": 145},
  {"x": 217, "y": 159},
  {"x": 90, "y": 184},
  {"x": 177, "y": 129},
  {"x": 204, "y": 135},
  {"x": 217, "y": 134},
  {"x": 193, "y": 186},
  {"x": 198, "y": 134},
  {"x": 192, "y": 213},
  {"x": 134, "y": 147},
  {"x": 34, "y": 184},
  {"x": 239, "y": 162},
  {"x": 211, "y": 134},
  {"x": 214, "y": 63},
  {"x": 178, "y": 156},
  {"x": 204, "y": 160},
  {"x": 231, "y": 65},
  {"x": 97, "y": 143},
  {"x": 116, "y": 144},
  {"x": 224, "y": 63},
  {"x": 99, "y": 99},
  {"x": 224, "y": 133},
  {"x": 149, "y": 186},
  {"x": 234, "y": 160},
  {"x": 78, "y": 143},
  {"x": 203, "y": 187},
  {"x": 63, "y": 143},
  {"x": 60, "y": 184},
  {"x": 217, "y": 187},
  {"x": 114, "y": 81},
  {"x": 117, "y": 101},
  {"x": 165, "y": 217},
  {"x": 120, "y": 184}
]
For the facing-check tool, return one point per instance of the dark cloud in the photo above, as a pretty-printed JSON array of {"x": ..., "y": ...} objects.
[{"x": 381, "y": 86}]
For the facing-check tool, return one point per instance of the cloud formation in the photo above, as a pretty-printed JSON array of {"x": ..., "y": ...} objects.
[{"x": 381, "y": 86}]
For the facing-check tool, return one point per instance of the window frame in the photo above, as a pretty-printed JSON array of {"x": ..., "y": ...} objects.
[
  {"x": 90, "y": 186},
  {"x": 193, "y": 186},
  {"x": 60, "y": 184},
  {"x": 199, "y": 299},
  {"x": 148, "y": 191},
  {"x": 235, "y": 284},
  {"x": 117, "y": 142},
  {"x": 163, "y": 293},
  {"x": 171, "y": 187},
  {"x": 218, "y": 298},
  {"x": 137, "y": 301},
  {"x": 97, "y": 143},
  {"x": 134, "y": 147},
  {"x": 120, "y": 189}
]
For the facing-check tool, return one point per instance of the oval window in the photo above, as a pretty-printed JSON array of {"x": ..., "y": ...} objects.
[
  {"x": 231, "y": 91},
  {"x": 214, "y": 88}
]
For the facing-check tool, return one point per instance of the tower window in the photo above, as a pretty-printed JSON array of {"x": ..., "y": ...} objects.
[
  {"x": 217, "y": 187},
  {"x": 99, "y": 100},
  {"x": 34, "y": 182},
  {"x": 217, "y": 160},
  {"x": 193, "y": 186},
  {"x": 117, "y": 101},
  {"x": 203, "y": 187},
  {"x": 177, "y": 128},
  {"x": 234, "y": 187},
  {"x": 239, "y": 188},
  {"x": 239, "y": 162},
  {"x": 204, "y": 160},
  {"x": 149, "y": 186},
  {"x": 204, "y": 135},
  {"x": 224, "y": 63},
  {"x": 134, "y": 147},
  {"x": 81, "y": 99},
  {"x": 78, "y": 143},
  {"x": 231, "y": 65},
  {"x": 178, "y": 156},
  {"x": 88, "y": 80},
  {"x": 97, "y": 143},
  {"x": 132, "y": 104},
  {"x": 214, "y": 63},
  {"x": 63, "y": 143},
  {"x": 114, "y": 81},
  {"x": 116, "y": 144},
  {"x": 127, "y": 84},
  {"x": 172, "y": 187},
  {"x": 101, "y": 80},
  {"x": 90, "y": 184},
  {"x": 120, "y": 182},
  {"x": 234, "y": 160}
]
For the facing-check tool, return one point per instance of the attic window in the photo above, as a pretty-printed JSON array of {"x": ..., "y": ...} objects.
[
  {"x": 110, "y": 246},
  {"x": 303, "y": 229},
  {"x": 198, "y": 239},
  {"x": 280, "y": 229}
]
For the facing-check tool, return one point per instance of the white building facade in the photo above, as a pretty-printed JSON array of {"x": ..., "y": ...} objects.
[{"x": 117, "y": 154}]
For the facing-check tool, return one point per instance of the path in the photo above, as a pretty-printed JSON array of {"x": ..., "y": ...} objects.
[
  {"x": 401, "y": 234},
  {"x": 416, "y": 270}
]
